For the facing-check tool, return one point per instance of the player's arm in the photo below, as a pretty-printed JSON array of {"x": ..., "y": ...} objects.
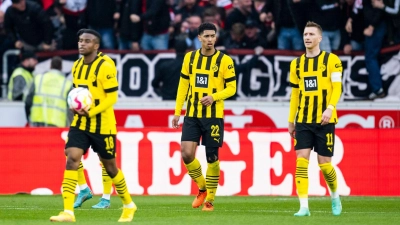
[
  {"x": 108, "y": 78},
  {"x": 230, "y": 80},
  {"x": 336, "y": 79},
  {"x": 294, "y": 97},
  {"x": 183, "y": 86}
]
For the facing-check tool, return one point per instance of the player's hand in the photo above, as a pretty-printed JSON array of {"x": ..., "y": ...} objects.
[
  {"x": 207, "y": 100},
  {"x": 175, "y": 121},
  {"x": 292, "y": 130},
  {"x": 326, "y": 116},
  {"x": 82, "y": 112}
]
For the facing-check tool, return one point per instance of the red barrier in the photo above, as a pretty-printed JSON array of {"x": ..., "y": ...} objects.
[{"x": 253, "y": 162}]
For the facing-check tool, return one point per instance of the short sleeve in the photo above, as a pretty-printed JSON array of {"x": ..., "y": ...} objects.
[
  {"x": 185, "y": 65},
  {"x": 336, "y": 64},
  {"x": 108, "y": 78},
  {"x": 293, "y": 78},
  {"x": 229, "y": 68}
]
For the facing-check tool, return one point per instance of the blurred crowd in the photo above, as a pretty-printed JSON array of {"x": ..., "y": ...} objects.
[{"x": 47, "y": 25}]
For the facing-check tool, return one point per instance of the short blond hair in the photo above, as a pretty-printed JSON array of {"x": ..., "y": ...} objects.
[{"x": 313, "y": 24}]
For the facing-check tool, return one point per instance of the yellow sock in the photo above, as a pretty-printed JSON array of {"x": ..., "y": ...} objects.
[
  {"x": 301, "y": 177},
  {"x": 194, "y": 171},
  {"x": 122, "y": 189},
  {"x": 212, "y": 179},
  {"x": 329, "y": 175},
  {"x": 68, "y": 188},
  {"x": 81, "y": 175},
  {"x": 107, "y": 181}
]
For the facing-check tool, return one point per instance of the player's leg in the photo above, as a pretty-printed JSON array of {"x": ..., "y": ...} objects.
[
  {"x": 105, "y": 146},
  {"x": 84, "y": 191},
  {"x": 213, "y": 137},
  {"x": 107, "y": 187},
  {"x": 302, "y": 144},
  {"x": 325, "y": 150},
  {"x": 190, "y": 138},
  {"x": 74, "y": 149}
]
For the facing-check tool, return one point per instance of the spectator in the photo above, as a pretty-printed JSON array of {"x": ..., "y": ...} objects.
[
  {"x": 189, "y": 8},
  {"x": 235, "y": 38},
  {"x": 156, "y": 19},
  {"x": 28, "y": 26},
  {"x": 46, "y": 102},
  {"x": 288, "y": 36},
  {"x": 374, "y": 35},
  {"x": 300, "y": 10},
  {"x": 129, "y": 32},
  {"x": 354, "y": 38},
  {"x": 5, "y": 42},
  {"x": 166, "y": 83},
  {"x": 101, "y": 17},
  {"x": 244, "y": 11},
  {"x": 22, "y": 77},
  {"x": 327, "y": 15},
  {"x": 192, "y": 40},
  {"x": 252, "y": 37},
  {"x": 74, "y": 19},
  {"x": 392, "y": 9}
]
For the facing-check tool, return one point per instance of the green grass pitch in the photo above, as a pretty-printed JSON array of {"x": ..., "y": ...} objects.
[{"x": 32, "y": 210}]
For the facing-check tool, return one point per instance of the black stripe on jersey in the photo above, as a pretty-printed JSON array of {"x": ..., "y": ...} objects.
[
  {"x": 305, "y": 64},
  {"x": 192, "y": 55},
  {"x": 293, "y": 85},
  {"x": 199, "y": 62},
  {"x": 230, "y": 79},
  {"x": 98, "y": 117},
  {"x": 315, "y": 109},
  {"x": 195, "y": 103},
  {"x": 80, "y": 71},
  {"x": 324, "y": 100},
  {"x": 79, "y": 121},
  {"x": 88, "y": 69},
  {"x": 208, "y": 64},
  {"x": 189, "y": 104},
  {"x": 218, "y": 62},
  {"x": 97, "y": 71},
  {"x": 79, "y": 60},
  {"x": 88, "y": 121},
  {"x": 109, "y": 90},
  {"x": 305, "y": 110},
  {"x": 298, "y": 68},
  {"x": 213, "y": 107},
  {"x": 204, "y": 110},
  {"x": 315, "y": 65},
  {"x": 101, "y": 54},
  {"x": 184, "y": 76},
  {"x": 298, "y": 108},
  {"x": 325, "y": 72}
]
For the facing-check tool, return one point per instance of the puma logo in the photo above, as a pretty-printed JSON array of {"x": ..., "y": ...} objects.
[
  {"x": 216, "y": 139},
  {"x": 330, "y": 149}
]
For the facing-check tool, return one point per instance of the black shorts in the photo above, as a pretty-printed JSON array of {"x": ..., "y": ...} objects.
[
  {"x": 317, "y": 136},
  {"x": 102, "y": 144},
  {"x": 211, "y": 130}
]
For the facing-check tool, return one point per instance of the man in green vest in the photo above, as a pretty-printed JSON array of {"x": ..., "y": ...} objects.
[
  {"x": 22, "y": 77},
  {"x": 46, "y": 103}
]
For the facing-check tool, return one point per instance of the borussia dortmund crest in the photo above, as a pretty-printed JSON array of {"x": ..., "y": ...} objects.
[
  {"x": 322, "y": 67},
  {"x": 215, "y": 68}
]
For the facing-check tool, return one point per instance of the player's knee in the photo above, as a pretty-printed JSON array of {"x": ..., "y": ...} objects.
[
  {"x": 212, "y": 154},
  {"x": 187, "y": 156}
]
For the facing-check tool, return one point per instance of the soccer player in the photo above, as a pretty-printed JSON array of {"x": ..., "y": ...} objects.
[
  {"x": 95, "y": 127},
  {"x": 85, "y": 192},
  {"x": 204, "y": 75},
  {"x": 316, "y": 81}
]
